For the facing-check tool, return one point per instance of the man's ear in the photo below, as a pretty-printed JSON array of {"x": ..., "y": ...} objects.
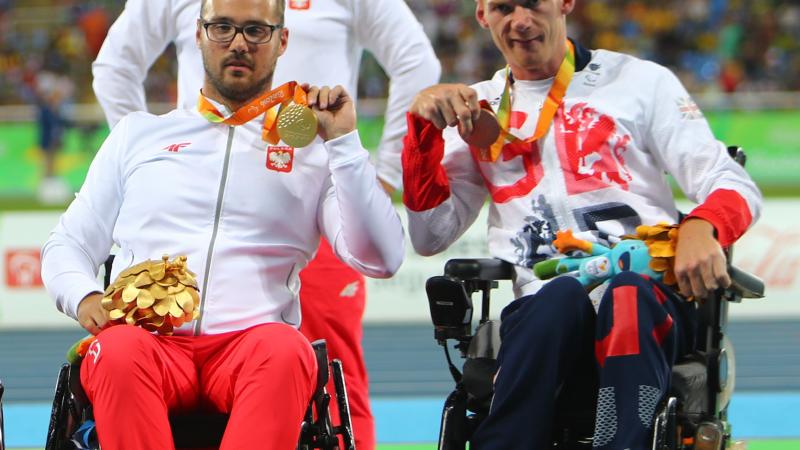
[
  {"x": 567, "y": 6},
  {"x": 480, "y": 13},
  {"x": 284, "y": 41},
  {"x": 198, "y": 33}
]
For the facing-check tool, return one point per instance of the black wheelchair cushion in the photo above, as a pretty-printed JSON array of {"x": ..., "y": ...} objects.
[{"x": 690, "y": 387}]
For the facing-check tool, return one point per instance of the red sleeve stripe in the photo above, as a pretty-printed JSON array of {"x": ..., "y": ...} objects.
[
  {"x": 425, "y": 183},
  {"x": 728, "y": 212}
]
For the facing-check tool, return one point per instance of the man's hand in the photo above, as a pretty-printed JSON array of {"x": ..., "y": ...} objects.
[
  {"x": 700, "y": 264},
  {"x": 448, "y": 105},
  {"x": 334, "y": 109},
  {"x": 91, "y": 314}
]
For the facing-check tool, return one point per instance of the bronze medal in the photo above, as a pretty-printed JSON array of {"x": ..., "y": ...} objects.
[
  {"x": 297, "y": 125},
  {"x": 485, "y": 130}
]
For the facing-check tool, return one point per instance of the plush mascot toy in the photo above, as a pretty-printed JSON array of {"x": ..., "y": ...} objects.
[{"x": 651, "y": 252}]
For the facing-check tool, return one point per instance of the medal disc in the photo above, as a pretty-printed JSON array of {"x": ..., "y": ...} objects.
[
  {"x": 297, "y": 125},
  {"x": 485, "y": 130}
]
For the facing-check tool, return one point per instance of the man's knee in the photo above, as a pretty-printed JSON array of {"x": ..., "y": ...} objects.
[
  {"x": 120, "y": 348},
  {"x": 561, "y": 305}
]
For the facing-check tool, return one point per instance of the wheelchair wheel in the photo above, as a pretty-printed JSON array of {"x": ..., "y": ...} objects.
[
  {"x": 57, "y": 432},
  {"x": 665, "y": 429},
  {"x": 453, "y": 428}
]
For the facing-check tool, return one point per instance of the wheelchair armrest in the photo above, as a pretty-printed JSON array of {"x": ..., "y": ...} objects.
[
  {"x": 745, "y": 285},
  {"x": 484, "y": 269}
]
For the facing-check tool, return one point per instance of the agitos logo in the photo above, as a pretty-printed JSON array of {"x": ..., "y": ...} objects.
[{"x": 23, "y": 269}]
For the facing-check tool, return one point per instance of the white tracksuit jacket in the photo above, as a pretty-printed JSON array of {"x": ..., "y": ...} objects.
[
  {"x": 326, "y": 41},
  {"x": 600, "y": 169},
  {"x": 180, "y": 185}
]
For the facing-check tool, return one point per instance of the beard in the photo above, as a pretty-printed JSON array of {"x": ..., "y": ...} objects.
[{"x": 236, "y": 92}]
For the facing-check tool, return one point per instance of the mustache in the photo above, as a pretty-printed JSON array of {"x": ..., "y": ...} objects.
[{"x": 237, "y": 60}]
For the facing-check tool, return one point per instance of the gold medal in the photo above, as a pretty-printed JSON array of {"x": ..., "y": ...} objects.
[
  {"x": 485, "y": 130},
  {"x": 297, "y": 125}
]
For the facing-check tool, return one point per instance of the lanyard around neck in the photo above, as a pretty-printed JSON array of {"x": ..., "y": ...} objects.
[
  {"x": 553, "y": 101},
  {"x": 283, "y": 94}
]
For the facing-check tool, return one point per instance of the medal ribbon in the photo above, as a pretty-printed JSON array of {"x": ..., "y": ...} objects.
[
  {"x": 553, "y": 101},
  {"x": 261, "y": 105}
]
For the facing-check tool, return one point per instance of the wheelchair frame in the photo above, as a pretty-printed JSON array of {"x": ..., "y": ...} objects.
[
  {"x": 2, "y": 423},
  {"x": 693, "y": 414},
  {"x": 71, "y": 408}
]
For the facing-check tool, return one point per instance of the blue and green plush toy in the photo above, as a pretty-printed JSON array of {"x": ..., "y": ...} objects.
[{"x": 592, "y": 264}]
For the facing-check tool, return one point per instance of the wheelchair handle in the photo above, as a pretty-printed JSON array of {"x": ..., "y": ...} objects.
[
  {"x": 744, "y": 284},
  {"x": 481, "y": 269}
]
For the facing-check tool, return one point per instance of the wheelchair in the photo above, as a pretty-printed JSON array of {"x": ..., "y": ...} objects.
[
  {"x": 692, "y": 416},
  {"x": 2, "y": 426},
  {"x": 72, "y": 421}
]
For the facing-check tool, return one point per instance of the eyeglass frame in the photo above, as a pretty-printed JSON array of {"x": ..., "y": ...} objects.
[{"x": 240, "y": 30}]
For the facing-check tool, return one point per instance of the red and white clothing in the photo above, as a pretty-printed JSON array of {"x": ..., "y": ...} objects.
[
  {"x": 386, "y": 28},
  {"x": 599, "y": 170},
  {"x": 249, "y": 217}
]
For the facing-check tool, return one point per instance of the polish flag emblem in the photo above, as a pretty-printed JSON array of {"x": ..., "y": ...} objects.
[
  {"x": 299, "y": 4},
  {"x": 280, "y": 158}
]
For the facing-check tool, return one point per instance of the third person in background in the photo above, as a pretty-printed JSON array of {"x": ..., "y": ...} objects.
[{"x": 327, "y": 41}]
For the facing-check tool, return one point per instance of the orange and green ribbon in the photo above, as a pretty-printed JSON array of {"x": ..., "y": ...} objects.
[
  {"x": 553, "y": 101},
  {"x": 262, "y": 105}
]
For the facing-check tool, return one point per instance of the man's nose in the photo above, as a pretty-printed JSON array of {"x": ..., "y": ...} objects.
[
  {"x": 521, "y": 18},
  {"x": 238, "y": 43}
]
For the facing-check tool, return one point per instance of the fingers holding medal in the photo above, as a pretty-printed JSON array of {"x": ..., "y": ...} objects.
[
  {"x": 334, "y": 109},
  {"x": 450, "y": 105}
]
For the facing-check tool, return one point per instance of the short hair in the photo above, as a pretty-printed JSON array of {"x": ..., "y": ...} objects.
[{"x": 279, "y": 6}]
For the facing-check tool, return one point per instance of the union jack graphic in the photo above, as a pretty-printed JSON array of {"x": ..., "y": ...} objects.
[{"x": 689, "y": 109}]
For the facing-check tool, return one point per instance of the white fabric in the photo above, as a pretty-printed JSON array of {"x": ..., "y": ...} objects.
[
  {"x": 251, "y": 228},
  {"x": 326, "y": 42},
  {"x": 636, "y": 122}
]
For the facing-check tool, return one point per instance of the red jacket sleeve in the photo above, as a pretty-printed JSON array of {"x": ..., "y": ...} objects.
[
  {"x": 728, "y": 212},
  {"x": 425, "y": 183}
]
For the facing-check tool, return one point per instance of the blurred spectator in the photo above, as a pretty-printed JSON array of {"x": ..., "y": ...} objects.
[
  {"x": 704, "y": 41},
  {"x": 52, "y": 92}
]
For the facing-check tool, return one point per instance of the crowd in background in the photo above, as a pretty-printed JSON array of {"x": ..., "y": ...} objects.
[{"x": 721, "y": 45}]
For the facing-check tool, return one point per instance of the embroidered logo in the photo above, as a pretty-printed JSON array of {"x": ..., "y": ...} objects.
[
  {"x": 94, "y": 350},
  {"x": 175, "y": 148},
  {"x": 299, "y": 4},
  {"x": 350, "y": 290},
  {"x": 689, "y": 109},
  {"x": 280, "y": 158}
]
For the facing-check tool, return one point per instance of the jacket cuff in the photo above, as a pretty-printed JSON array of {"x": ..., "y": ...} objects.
[
  {"x": 425, "y": 183},
  {"x": 345, "y": 149},
  {"x": 728, "y": 212}
]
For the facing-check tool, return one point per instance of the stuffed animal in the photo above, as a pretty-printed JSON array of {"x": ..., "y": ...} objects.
[{"x": 650, "y": 253}]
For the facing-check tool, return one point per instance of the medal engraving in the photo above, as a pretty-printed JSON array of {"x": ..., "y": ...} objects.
[{"x": 297, "y": 125}]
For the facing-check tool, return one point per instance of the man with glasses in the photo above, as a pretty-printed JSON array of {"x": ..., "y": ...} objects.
[
  {"x": 203, "y": 183},
  {"x": 327, "y": 42}
]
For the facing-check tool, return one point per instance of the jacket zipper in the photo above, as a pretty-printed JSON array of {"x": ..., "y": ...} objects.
[{"x": 217, "y": 213}]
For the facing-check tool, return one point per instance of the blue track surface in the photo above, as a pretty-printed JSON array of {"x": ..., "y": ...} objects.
[{"x": 753, "y": 415}]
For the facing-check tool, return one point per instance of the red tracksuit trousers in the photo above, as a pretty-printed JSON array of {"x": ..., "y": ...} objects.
[
  {"x": 332, "y": 298},
  {"x": 263, "y": 377}
]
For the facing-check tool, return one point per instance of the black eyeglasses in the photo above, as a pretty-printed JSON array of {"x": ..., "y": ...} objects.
[{"x": 225, "y": 32}]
